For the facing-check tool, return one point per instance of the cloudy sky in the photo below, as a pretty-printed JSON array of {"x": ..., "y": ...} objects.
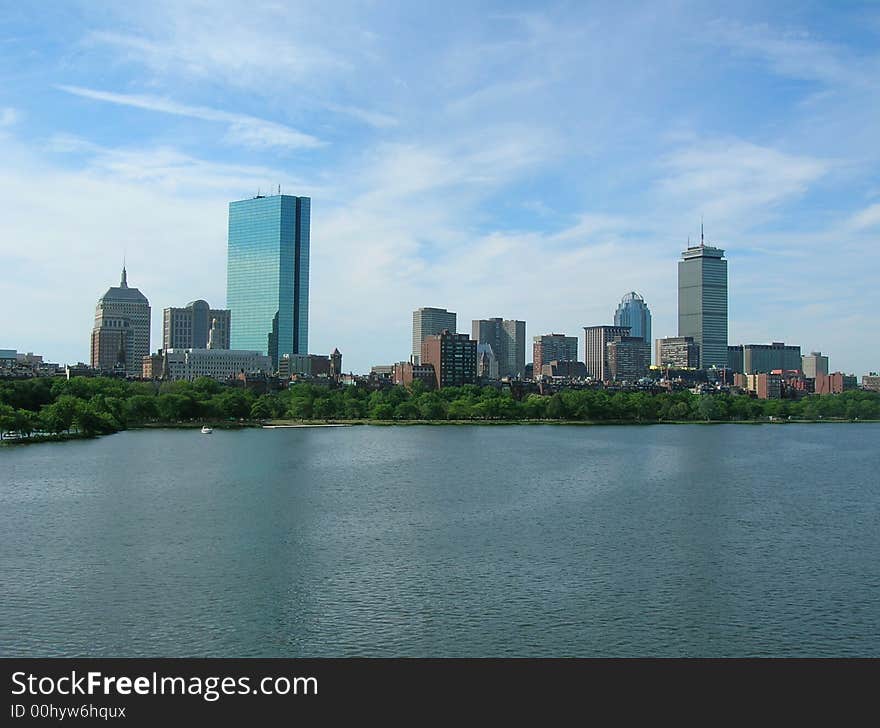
[{"x": 532, "y": 161}]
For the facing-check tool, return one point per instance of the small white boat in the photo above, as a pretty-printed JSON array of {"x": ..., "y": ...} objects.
[{"x": 207, "y": 430}]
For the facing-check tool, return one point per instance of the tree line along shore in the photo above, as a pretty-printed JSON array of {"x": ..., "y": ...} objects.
[{"x": 43, "y": 408}]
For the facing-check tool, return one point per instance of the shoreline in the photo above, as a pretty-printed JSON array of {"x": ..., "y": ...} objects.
[{"x": 308, "y": 424}]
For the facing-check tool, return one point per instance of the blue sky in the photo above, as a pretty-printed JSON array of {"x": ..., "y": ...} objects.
[{"x": 524, "y": 160}]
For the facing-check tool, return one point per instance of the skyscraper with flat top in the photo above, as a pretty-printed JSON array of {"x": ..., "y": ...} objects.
[
  {"x": 267, "y": 275},
  {"x": 427, "y": 322},
  {"x": 702, "y": 302}
]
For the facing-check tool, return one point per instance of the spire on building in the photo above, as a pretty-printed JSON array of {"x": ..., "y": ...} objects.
[
  {"x": 213, "y": 334},
  {"x": 124, "y": 282}
]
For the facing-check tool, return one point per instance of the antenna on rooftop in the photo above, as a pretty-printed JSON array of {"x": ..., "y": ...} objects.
[{"x": 702, "y": 241}]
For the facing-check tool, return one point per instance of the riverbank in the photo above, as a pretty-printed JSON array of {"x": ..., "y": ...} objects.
[{"x": 297, "y": 424}]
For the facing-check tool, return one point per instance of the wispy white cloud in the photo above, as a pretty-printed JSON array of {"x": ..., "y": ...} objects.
[
  {"x": 200, "y": 44},
  {"x": 731, "y": 180},
  {"x": 242, "y": 129},
  {"x": 375, "y": 119},
  {"x": 9, "y": 116},
  {"x": 867, "y": 218},
  {"x": 796, "y": 53}
]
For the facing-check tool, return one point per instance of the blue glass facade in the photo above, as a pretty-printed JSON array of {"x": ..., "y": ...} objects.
[
  {"x": 634, "y": 312},
  {"x": 267, "y": 283}
]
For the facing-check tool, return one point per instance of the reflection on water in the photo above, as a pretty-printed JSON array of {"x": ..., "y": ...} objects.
[{"x": 452, "y": 541}]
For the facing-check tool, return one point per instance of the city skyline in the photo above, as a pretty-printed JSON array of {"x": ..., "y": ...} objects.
[{"x": 476, "y": 199}]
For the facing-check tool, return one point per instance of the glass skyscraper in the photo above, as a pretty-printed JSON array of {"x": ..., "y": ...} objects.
[
  {"x": 702, "y": 302},
  {"x": 267, "y": 275},
  {"x": 633, "y": 312}
]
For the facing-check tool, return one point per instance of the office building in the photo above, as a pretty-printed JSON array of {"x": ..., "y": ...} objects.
[
  {"x": 267, "y": 284},
  {"x": 220, "y": 364},
  {"x": 702, "y": 302},
  {"x": 628, "y": 358},
  {"x": 871, "y": 382},
  {"x": 758, "y": 358},
  {"x": 814, "y": 364},
  {"x": 121, "y": 334},
  {"x": 453, "y": 356},
  {"x": 188, "y": 327},
  {"x": 552, "y": 347},
  {"x": 507, "y": 337},
  {"x": 633, "y": 312},
  {"x": 429, "y": 322},
  {"x": 735, "y": 359},
  {"x": 596, "y": 339},
  {"x": 677, "y": 352}
]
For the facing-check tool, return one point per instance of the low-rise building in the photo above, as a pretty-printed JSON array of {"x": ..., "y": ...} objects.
[
  {"x": 405, "y": 373},
  {"x": 565, "y": 369},
  {"x": 154, "y": 365},
  {"x": 219, "y": 364},
  {"x": 765, "y": 385},
  {"x": 871, "y": 381},
  {"x": 835, "y": 383}
]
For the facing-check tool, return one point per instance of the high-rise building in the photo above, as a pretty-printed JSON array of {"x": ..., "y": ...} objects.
[
  {"x": 702, "y": 302},
  {"x": 677, "y": 352},
  {"x": 121, "y": 335},
  {"x": 628, "y": 358},
  {"x": 814, "y": 364},
  {"x": 596, "y": 339},
  {"x": 267, "y": 283},
  {"x": 453, "y": 356},
  {"x": 633, "y": 312},
  {"x": 507, "y": 337},
  {"x": 188, "y": 327},
  {"x": 552, "y": 347},
  {"x": 763, "y": 358},
  {"x": 429, "y": 322}
]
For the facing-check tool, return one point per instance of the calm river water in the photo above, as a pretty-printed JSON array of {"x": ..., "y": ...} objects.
[{"x": 445, "y": 541}]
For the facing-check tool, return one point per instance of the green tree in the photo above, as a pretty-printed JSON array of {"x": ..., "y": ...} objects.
[
  {"x": 406, "y": 411},
  {"x": 26, "y": 422},
  {"x": 263, "y": 408},
  {"x": 141, "y": 408},
  {"x": 7, "y": 419},
  {"x": 382, "y": 411},
  {"x": 174, "y": 407}
]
